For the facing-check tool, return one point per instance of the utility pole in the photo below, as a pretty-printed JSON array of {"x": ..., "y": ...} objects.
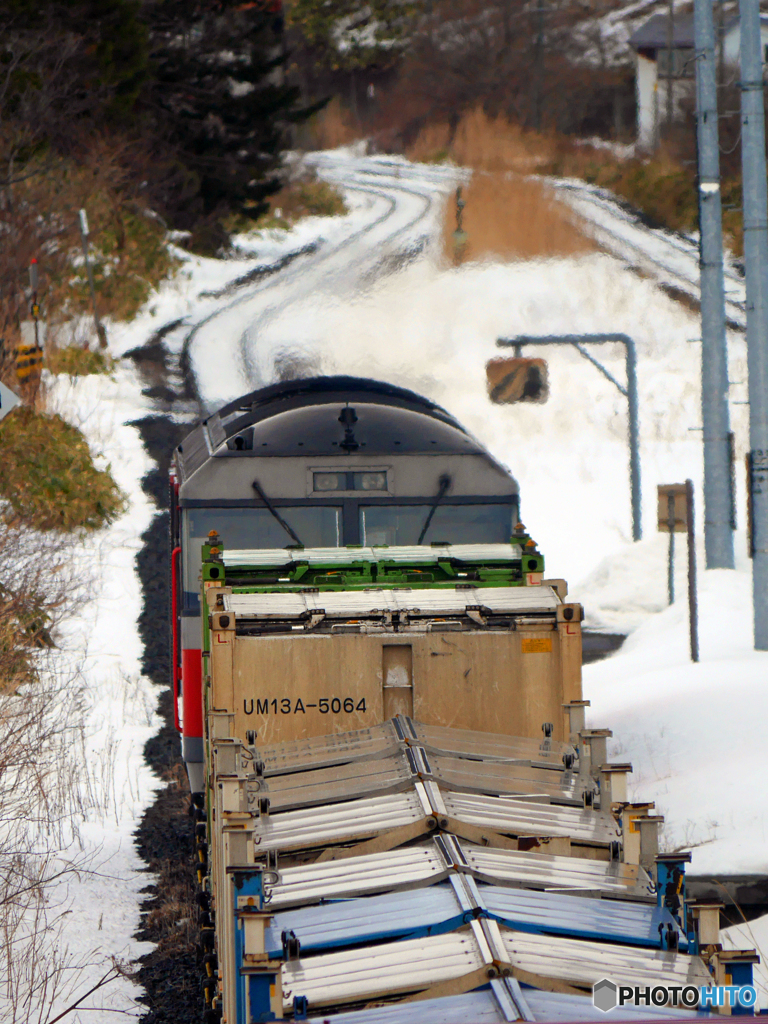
[
  {"x": 718, "y": 538},
  {"x": 539, "y": 66},
  {"x": 670, "y": 63},
  {"x": 756, "y": 259}
]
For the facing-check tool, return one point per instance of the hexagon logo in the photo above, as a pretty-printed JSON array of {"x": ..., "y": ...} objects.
[{"x": 604, "y": 995}]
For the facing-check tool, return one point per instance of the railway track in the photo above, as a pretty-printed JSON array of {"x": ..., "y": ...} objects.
[
  {"x": 670, "y": 258},
  {"x": 398, "y": 216}
]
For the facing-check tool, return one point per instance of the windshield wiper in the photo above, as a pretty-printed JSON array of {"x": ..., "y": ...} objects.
[
  {"x": 257, "y": 487},
  {"x": 445, "y": 483}
]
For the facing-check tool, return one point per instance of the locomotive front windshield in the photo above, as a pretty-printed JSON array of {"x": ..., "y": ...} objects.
[
  {"x": 320, "y": 526},
  {"x": 317, "y": 527},
  {"x": 450, "y": 524}
]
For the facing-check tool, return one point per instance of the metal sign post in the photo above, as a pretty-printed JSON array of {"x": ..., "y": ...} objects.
[
  {"x": 672, "y": 519},
  {"x": 35, "y": 308},
  {"x": 578, "y": 341},
  {"x": 84, "y": 232},
  {"x": 460, "y": 237},
  {"x": 675, "y": 514},
  {"x": 693, "y": 604}
]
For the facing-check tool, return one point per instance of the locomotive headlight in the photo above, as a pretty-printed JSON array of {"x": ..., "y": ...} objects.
[
  {"x": 329, "y": 481},
  {"x": 371, "y": 481}
]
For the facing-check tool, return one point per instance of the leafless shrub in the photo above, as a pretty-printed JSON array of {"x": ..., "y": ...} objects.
[{"x": 46, "y": 784}]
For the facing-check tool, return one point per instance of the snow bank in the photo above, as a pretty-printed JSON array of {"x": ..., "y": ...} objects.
[
  {"x": 97, "y": 911},
  {"x": 694, "y": 732}
]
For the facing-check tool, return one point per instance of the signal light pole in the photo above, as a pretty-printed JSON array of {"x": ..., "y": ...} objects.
[
  {"x": 756, "y": 260},
  {"x": 630, "y": 393}
]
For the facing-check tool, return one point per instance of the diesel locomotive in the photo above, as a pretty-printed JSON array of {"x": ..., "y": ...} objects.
[{"x": 324, "y": 462}]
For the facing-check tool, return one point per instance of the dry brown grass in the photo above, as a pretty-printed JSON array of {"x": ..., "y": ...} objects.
[
  {"x": 496, "y": 144},
  {"x": 486, "y": 144},
  {"x": 511, "y": 217},
  {"x": 508, "y": 214},
  {"x": 48, "y": 480},
  {"x": 332, "y": 127},
  {"x": 663, "y": 187}
]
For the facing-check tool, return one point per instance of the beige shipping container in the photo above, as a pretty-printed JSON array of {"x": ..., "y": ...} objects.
[{"x": 447, "y": 662}]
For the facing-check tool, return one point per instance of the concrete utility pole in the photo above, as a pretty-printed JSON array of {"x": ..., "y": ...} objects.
[
  {"x": 756, "y": 259},
  {"x": 670, "y": 63},
  {"x": 718, "y": 538},
  {"x": 538, "y": 66}
]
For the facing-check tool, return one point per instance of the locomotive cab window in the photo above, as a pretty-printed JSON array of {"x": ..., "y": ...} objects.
[
  {"x": 319, "y": 526},
  {"x": 451, "y": 524}
]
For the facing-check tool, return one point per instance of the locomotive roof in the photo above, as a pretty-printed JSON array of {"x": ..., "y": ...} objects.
[
  {"x": 292, "y": 394},
  {"x": 306, "y": 422}
]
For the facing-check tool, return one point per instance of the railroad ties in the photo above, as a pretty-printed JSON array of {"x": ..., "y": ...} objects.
[{"x": 407, "y": 872}]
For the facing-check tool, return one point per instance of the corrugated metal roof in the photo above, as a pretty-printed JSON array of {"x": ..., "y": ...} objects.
[
  {"x": 523, "y": 818},
  {"x": 384, "y": 925},
  {"x": 444, "y": 907},
  {"x": 371, "y": 918},
  {"x": 393, "y": 967},
  {"x": 415, "y": 964},
  {"x": 356, "y": 876},
  {"x": 396, "y": 770},
  {"x": 477, "y": 1007},
  {"x": 379, "y": 740},
  {"x": 347, "y": 603},
  {"x": 560, "y": 1008},
  {"x": 545, "y": 871},
  {"x": 421, "y": 553},
  {"x": 490, "y": 746},
  {"x": 338, "y": 782},
  {"x": 584, "y": 963},
  {"x": 337, "y": 822},
  {"x": 423, "y": 864},
  {"x": 495, "y": 777},
  {"x": 555, "y": 913},
  {"x": 317, "y": 826},
  {"x": 316, "y": 751},
  {"x": 481, "y": 1006}
]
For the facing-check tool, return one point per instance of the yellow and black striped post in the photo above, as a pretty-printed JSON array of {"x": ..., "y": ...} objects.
[{"x": 29, "y": 361}]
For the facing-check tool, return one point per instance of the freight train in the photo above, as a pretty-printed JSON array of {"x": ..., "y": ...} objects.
[{"x": 400, "y": 812}]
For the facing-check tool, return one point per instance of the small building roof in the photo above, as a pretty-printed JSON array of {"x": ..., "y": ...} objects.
[{"x": 652, "y": 35}]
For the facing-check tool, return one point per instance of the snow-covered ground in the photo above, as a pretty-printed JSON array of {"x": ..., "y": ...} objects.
[
  {"x": 93, "y": 912},
  {"x": 364, "y": 302}
]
